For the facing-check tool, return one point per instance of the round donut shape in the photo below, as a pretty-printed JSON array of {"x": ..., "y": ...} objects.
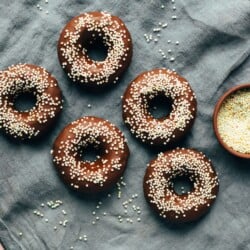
[
  {"x": 159, "y": 188},
  {"x": 90, "y": 176},
  {"x": 84, "y": 30},
  {"x": 149, "y": 85},
  {"x": 27, "y": 78}
]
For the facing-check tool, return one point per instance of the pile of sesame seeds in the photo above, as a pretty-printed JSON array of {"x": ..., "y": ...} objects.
[
  {"x": 24, "y": 78},
  {"x": 174, "y": 163},
  {"x": 81, "y": 133},
  {"x": 136, "y": 106},
  {"x": 234, "y": 121},
  {"x": 74, "y": 56}
]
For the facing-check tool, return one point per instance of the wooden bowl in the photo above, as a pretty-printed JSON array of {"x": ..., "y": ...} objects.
[{"x": 215, "y": 125}]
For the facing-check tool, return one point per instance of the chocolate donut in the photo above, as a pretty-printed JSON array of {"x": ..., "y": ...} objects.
[
  {"x": 27, "y": 78},
  {"x": 166, "y": 130},
  {"x": 159, "y": 188},
  {"x": 90, "y": 176},
  {"x": 80, "y": 33}
]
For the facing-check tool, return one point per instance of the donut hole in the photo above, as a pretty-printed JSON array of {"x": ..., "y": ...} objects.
[
  {"x": 160, "y": 106},
  {"x": 95, "y": 46},
  {"x": 25, "y": 101},
  {"x": 182, "y": 184},
  {"x": 90, "y": 153}
]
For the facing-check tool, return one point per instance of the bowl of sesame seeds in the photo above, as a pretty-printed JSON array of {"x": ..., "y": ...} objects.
[{"x": 231, "y": 120}]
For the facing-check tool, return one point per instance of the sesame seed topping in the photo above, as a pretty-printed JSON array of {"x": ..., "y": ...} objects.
[
  {"x": 147, "y": 86},
  {"x": 25, "y": 78},
  {"x": 85, "y": 174},
  {"x": 74, "y": 56},
  {"x": 165, "y": 168}
]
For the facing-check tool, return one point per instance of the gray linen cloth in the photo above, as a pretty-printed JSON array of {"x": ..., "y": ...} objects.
[{"x": 213, "y": 54}]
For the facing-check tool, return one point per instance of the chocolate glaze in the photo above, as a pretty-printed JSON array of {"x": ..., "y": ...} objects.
[
  {"x": 37, "y": 121},
  {"x": 194, "y": 210},
  {"x": 135, "y": 106},
  {"x": 96, "y": 176},
  {"x": 90, "y": 73}
]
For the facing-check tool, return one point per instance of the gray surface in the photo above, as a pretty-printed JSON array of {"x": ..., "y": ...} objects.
[{"x": 213, "y": 55}]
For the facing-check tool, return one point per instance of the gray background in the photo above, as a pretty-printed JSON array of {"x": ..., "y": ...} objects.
[{"x": 213, "y": 55}]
